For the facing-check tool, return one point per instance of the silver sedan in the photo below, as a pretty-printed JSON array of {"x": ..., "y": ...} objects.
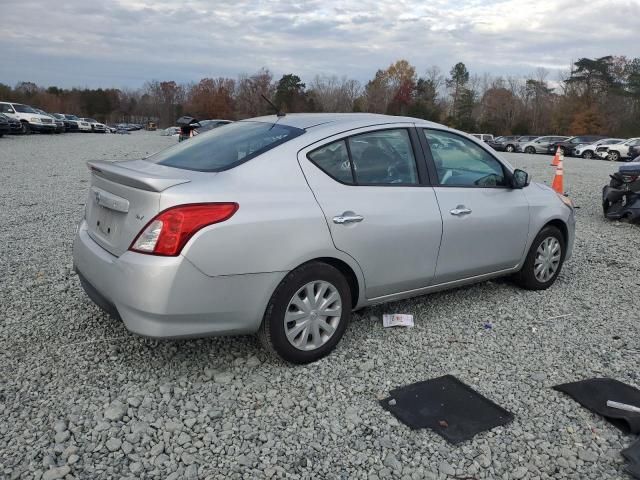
[{"x": 283, "y": 226}]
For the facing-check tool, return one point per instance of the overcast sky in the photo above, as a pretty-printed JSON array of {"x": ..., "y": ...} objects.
[{"x": 123, "y": 43}]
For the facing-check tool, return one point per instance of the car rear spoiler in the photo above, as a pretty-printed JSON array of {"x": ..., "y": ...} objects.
[{"x": 133, "y": 178}]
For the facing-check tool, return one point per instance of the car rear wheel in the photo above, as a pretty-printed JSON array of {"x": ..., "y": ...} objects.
[
  {"x": 544, "y": 260},
  {"x": 530, "y": 150},
  {"x": 308, "y": 313},
  {"x": 510, "y": 148},
  {"x": 614, "y": 156},
  {"x": 587, "y": 155}
]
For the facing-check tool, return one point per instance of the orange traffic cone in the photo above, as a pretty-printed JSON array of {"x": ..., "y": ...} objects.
[
  {"x": 557, "y": 158},
  {"x": 558, "y": 180}
]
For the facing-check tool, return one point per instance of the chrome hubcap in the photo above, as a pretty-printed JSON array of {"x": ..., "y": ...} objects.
[
  {"x": 313, "y": 315},
  {"x": 547, "y": 259}
]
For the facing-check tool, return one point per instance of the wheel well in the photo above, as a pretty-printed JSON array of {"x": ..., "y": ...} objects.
[
  {"x": 560, "y": 225},
  {"x": 348, "y": 273}
]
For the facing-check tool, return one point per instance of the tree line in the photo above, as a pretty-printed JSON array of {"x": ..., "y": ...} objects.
[{"x": 596, "y": 96}]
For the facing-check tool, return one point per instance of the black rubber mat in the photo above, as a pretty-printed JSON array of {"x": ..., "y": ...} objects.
[
  {"x": 593, "y": 394},
  {"x": 446, "y": 405},
  {"x": 633, "y": 470},
  {"x": 632, "y": 453}
]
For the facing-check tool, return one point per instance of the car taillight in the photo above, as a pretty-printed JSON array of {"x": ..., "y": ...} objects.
[{"x": 170, "y": 230}]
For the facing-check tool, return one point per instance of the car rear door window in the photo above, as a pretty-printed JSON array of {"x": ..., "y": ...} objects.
[
  {"x": 383, "y": 157},
  {"x": 333, "y": 159},
  {"x": 460, "y": 162}
]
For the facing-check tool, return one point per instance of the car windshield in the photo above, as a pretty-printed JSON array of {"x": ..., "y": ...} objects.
[
  {"x": 23, "y": 108},
  {"x": 224, "y": 148},
  {"x": 71, "y": 117}
]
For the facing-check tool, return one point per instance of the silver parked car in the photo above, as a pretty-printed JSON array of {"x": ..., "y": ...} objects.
[
  {"x": 539, "y": 145},
  {"x": 285, "y": 225}
]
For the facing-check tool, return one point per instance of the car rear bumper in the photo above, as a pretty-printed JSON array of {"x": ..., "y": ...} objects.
[{"x": 168, "y": 297}]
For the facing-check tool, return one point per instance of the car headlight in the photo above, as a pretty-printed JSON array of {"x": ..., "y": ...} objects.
[
  {"x": 35, "y": 119},
  {"x": 566, "y": 200}
]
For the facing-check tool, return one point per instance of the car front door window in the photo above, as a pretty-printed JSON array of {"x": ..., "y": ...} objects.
[{"x": 461, "y": 163}]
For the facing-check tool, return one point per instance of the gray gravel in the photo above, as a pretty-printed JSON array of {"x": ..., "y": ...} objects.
[{"x": 80, "y": 397}]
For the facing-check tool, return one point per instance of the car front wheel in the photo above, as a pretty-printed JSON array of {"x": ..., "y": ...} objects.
[
  {"x": 614, "y": 156},
  {"x": 510, "y": 148},
  {"x": 308, "y": 313},
  {"x": 544, "y": 260},
  {"x": 26, "y": 128},
  {"x": 587, "y": 155},
  {"x": 530, "y": 150}
]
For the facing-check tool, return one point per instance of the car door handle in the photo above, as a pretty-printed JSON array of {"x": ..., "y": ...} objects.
[
  {"x": 347, "y": 217},
  {"x": 460, "y": 210}
]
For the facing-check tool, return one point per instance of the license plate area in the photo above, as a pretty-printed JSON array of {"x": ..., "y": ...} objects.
[{"x": 105, "y": 222}]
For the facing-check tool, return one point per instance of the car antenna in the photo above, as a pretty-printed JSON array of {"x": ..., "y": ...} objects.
[{"x": 279, "y": 112}]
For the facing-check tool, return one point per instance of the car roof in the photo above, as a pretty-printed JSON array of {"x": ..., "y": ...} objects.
[{"x": 333, "y": 120}]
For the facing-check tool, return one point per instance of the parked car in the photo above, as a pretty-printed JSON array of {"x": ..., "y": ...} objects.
[
  {"x": 539, "y": 145},
  {"x": 206, "y": 125},
  {"x": 96, "y": 126},
  {"x": 619, "y": 151},
  {"x": 334, "y": 213},
  {"x": 59, "y": 123},
  {"x": 567, "y": 146},
  {"x": 30, "y": 120},
  {"x": 485, "y": 137},
  {"x": 15, "y": 126},
  {"x": 525, "y": 139},
  {"x": 69, "y": 125},
  {"x": 505, "y": 143},
  {"x": 167, "y": 132},
  {"x": 82, "y": 125},
  {"x": 634, "y": 153},
  {"x": 4, "y": 126},
  {"x": 589, "y": 151}
]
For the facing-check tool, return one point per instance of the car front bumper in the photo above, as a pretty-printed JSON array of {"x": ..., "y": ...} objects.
[
  {"x": 168, "y": 297},
  {"x": 42, "y": 127},
  {"x": 571, "y": 237}
]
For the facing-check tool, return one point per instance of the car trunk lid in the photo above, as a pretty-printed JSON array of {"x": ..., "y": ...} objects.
[{"x": 124, "y": 197}]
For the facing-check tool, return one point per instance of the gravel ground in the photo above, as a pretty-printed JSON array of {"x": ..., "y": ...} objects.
[{"x": 80, "y": 397}]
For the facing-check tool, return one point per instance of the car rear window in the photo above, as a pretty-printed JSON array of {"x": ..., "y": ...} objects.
[{"x": 224, "y": 148}]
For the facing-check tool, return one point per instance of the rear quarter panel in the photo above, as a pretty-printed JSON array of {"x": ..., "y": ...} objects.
[{"x": 278, "y": 225}]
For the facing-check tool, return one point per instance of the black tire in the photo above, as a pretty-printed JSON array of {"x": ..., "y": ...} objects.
[
  {"x": 510, "y": 148},
  {"x": 272, "y": 331},
  {"x": 587, "y": 155},
  {"x": 530, "y": 150},
  {"x": 526, "y": 277},
  {"x": 26, "y": 128},
  {"x": 614, "y": 156}
]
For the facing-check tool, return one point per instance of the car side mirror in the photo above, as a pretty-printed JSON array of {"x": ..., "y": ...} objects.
[
  {"x": 11, "y": 110},
  {"x": 519, "y": 179}
]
